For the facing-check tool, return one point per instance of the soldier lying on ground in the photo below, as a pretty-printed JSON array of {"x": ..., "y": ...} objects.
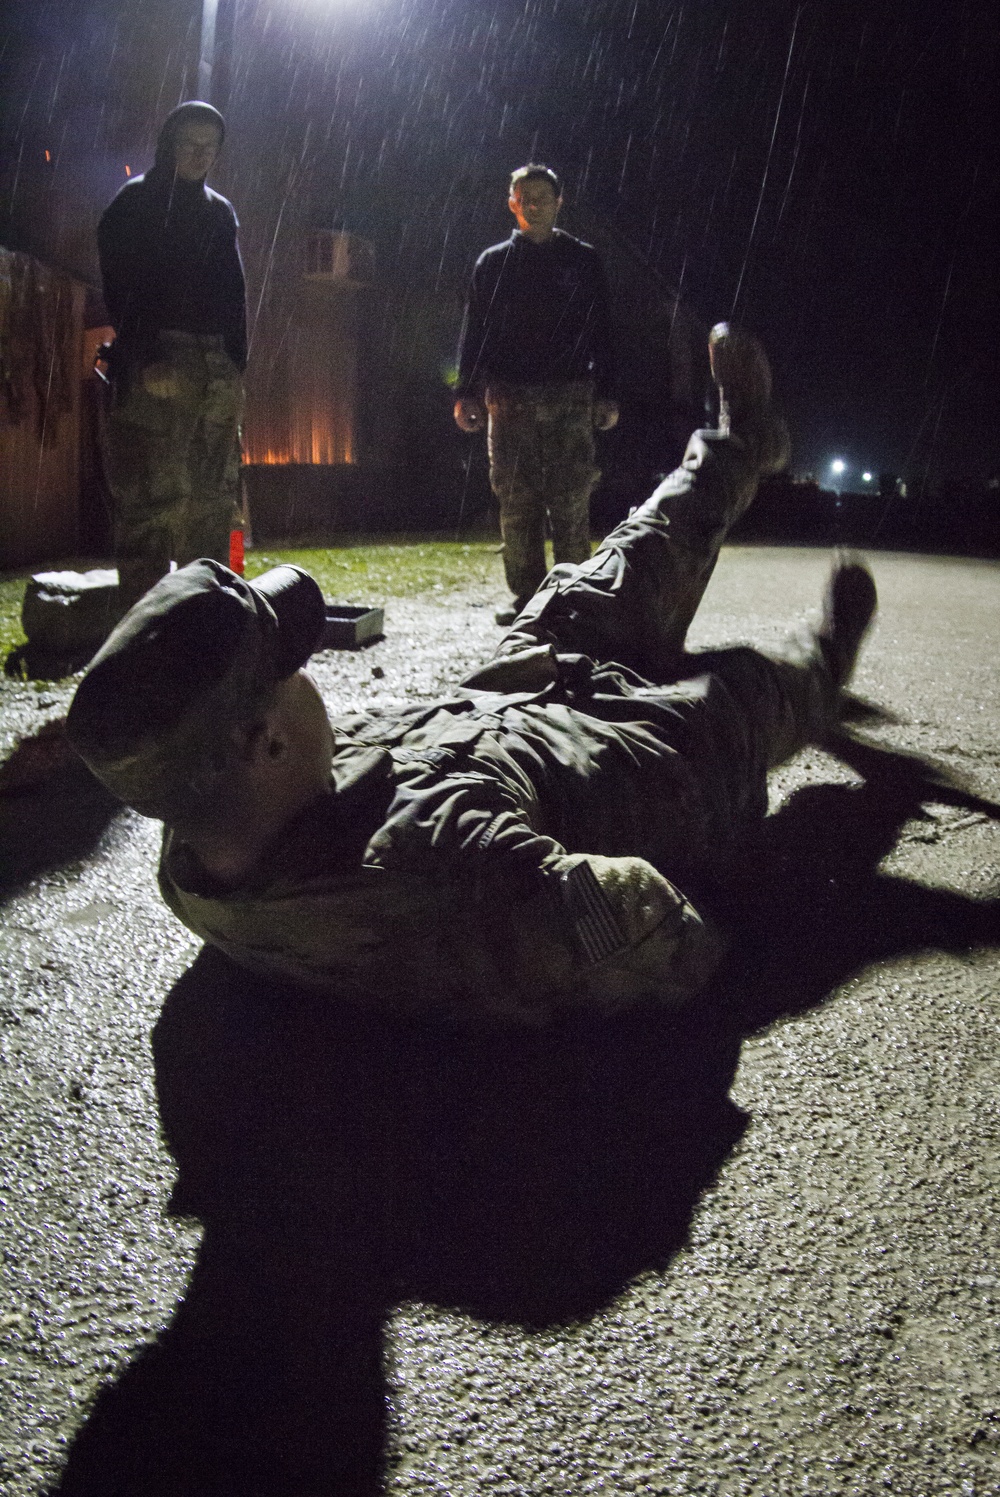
[{"x": 520, "y": 847}]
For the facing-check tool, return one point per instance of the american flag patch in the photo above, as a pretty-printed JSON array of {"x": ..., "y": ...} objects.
[{"x": 594, "y": 920}]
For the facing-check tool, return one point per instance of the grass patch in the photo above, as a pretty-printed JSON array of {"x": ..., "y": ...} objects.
[
  {"x": 354, "y": 571},
  {"x": 360, "y": 571},
  {"x": 11, "y": 593}
]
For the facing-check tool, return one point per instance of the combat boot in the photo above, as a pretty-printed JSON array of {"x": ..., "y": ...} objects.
[
  {"x": 506, "y": 616},
  {"x": 742, "y": 374}
]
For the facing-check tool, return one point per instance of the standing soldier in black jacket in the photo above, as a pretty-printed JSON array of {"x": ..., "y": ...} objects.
[
  {"x": 174, "y": 289},
  {"x": 535, "y": 360}
]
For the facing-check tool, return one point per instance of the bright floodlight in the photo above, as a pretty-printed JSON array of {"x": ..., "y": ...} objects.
[
  {"x": 837, "y": 466},
  {"x": 866, "y": 478}
]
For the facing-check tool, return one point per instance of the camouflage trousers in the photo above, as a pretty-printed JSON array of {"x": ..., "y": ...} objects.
[
  {"x": 633, "y": 600},
  {"x": 541, "y": 445},
  {"x": 739, "y": 712},
  {"x": 173, "y": 462}
]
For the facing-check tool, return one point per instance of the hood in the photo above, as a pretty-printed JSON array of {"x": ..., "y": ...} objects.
[{"x": 192, "y": 109}]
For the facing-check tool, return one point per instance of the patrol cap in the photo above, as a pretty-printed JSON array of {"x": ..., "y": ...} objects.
[{"x": 197, "y": 657}]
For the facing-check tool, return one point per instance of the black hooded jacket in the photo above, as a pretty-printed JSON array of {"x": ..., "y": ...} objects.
[{"x": 169, "y": 256}]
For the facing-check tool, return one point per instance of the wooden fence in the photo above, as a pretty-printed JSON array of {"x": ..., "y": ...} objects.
[{"x": 41, "y": 396}]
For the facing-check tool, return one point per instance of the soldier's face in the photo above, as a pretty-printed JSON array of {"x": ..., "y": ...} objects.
[
  {"x": 196, "y": 146},
  {"x": 535, "y": 206}
]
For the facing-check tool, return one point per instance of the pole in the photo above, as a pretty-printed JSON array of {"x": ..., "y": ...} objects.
[{"x": 206, "y": 50}]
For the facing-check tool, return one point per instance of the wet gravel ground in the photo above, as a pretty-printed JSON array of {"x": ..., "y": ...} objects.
[{"x": 756, "y": 1251}]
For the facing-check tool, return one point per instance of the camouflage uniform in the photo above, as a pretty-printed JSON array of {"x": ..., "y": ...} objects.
[
  {"x": 514, "y": 850},
  {"x": 174, "y": 288},
  {"x": 173, "y": 461},
  {"x": 536, "y": 345},
  {"x": 541, "y": 446},
  {"x": 634, "y": 599}
]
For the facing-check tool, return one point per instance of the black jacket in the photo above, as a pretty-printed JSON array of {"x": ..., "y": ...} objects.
[
  {"x": 169, "y": 259},
  {"x": 536, "y": 312}
]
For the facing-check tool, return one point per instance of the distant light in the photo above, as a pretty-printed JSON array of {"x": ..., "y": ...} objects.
[
  {"x": 128, "y": 171},
  {"x": 866, "y": 478},
  {"x": 48, "y": 155},
  {"x": 838, "y": 466}
]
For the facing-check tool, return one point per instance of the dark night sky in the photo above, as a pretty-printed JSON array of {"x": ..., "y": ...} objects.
[{"x": 828, "y": 171}]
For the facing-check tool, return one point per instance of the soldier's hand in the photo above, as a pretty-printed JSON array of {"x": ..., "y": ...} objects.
[
  {"x": 161, "y": 380},
  {"x": 470, "y": 414},
  {"x": 605, "y": 414}
]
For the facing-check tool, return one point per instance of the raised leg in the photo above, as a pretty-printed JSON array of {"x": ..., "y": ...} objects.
[
  {"x": 695, "y": 779},
  {"x": 633, "y": 601},
  {"x": 749, "y": 712}
]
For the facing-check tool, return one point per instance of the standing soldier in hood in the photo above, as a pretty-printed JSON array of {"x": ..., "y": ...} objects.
[{"x": 174, "y": 289}]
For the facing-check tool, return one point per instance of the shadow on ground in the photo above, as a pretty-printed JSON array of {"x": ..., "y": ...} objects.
[
  {"x": 53, "y": 811},
  {"x": 341, "y": 1165}
]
